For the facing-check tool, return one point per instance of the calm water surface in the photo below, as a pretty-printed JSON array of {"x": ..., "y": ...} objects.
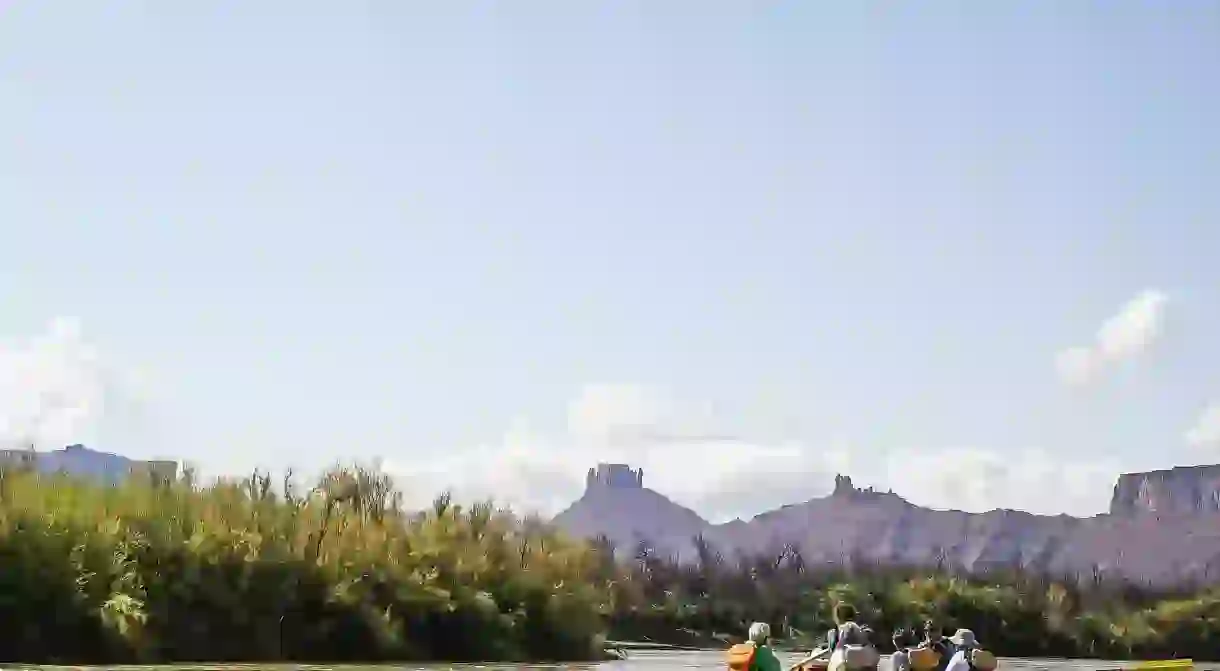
[{"x": 639, "y": 661}]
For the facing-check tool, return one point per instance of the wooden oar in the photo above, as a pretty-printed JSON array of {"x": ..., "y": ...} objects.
[
  {"x": 811, "y": 657},
  {"x": 1157, "y": 665}
]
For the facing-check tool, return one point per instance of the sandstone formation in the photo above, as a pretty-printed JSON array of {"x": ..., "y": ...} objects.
[
  {"x": 616, "y": 504},
  {"x": 1178, "y": 491},
  {"x": 1164, "y": 527}
]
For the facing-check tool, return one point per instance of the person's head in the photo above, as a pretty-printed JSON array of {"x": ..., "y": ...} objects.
[
  {"x": 760, "y": 633},
  {"x": 901, "y": 639},
  {"x": 931, "y": 631},
  {"x": 844, "y": 612},
  {"x": 964, "y": 638}
]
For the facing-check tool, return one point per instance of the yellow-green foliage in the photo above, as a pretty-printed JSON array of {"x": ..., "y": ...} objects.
[{"x": 151, "y": 571}]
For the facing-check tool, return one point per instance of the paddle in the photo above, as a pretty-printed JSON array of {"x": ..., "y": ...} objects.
[{"x": 818, "y": 652}]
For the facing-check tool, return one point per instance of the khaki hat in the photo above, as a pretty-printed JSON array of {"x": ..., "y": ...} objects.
[{"x": 964, "y": 638}]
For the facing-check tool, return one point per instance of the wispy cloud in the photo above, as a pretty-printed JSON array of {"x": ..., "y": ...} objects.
[
  {"x": 687, "y": 454},
  {"x": 1205, "y": 432},
  {"x": 1123, "y": 336},
  {"x": 56, "y": 388},
  {"x": 53, "y": 388}
]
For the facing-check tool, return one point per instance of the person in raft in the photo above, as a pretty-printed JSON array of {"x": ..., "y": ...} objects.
[
  {"x": 847, "y": 645},
  {"x": 934, "y": 640},
  {"x": 901, "y": 659},
  {"x": 755, "y": 654},
  {"x": 969, "y": 655},
  {"x": 919, "y": 655}
]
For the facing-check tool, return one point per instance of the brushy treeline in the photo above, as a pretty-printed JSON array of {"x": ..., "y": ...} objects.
[
  {"x": 1013, "y": 613},
  {"x": 247, "y": 571}
]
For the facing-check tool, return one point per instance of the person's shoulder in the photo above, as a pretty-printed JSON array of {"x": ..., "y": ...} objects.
[
  {"x": 767, "y": 656},
  {"x": 958, "y": 661}
]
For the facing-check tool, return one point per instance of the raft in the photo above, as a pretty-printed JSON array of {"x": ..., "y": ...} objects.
[{"x": 1157, "y": 665}]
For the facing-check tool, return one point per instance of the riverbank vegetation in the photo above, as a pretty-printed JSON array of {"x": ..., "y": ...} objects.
[
  {"x": 258, "y": 570},
  {"x": 1013, "y": 613},
  {"x": 154, "y": 571}
]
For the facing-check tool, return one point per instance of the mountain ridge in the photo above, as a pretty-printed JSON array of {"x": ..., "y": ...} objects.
[
  {"x": 1163, "y": 526},
  {"x": 82, "y": 461}
]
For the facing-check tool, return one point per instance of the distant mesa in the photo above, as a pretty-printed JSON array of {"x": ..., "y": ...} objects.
[
  {"x": 1176, "y": 491},
  {"x": 615, "y": 476},
  {"x": 843, "y": 486},
  {"x": 616, "y": 505},
  {"x": 81, "y": 461},
  {"x": 1163, "y": 526},
  {"x": 844, "y": 489}
]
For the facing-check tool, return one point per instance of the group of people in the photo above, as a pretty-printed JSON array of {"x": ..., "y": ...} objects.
[
  {"x": 960, "y": 652},
  {"x": 849, "y": 647}
]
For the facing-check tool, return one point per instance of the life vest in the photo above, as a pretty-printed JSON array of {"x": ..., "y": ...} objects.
[
  {"x": 741, "y": 656},
  {"x": 981, "y": 660},
  {"x": 852, "y": 656},
  {"x": 923, "y": 658}
]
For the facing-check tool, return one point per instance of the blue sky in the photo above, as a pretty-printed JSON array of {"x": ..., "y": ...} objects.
[{"x": 478, "y": 240}]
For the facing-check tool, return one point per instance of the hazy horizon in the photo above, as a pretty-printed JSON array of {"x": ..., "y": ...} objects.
[{"x": 960, "y": 251}]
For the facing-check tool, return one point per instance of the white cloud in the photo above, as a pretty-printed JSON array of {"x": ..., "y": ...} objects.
[
  {"x": 977, "y": 480},
  {"x": 1136, "y": 327},
  {"x": 1077, "y": 365},
  {"x": 631, "y": 415},
  {"x": 1205, "y": 433},
  {"x": 676, "y": 444},
  {"x": 524, "y": 471},
  {"x": 53, "y": 388},
  {"x": 722, "y": 478},
  {"x": 611, "y": 413}
]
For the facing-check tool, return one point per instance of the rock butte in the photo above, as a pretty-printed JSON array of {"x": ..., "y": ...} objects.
[{"x": 1162, "y": 527}]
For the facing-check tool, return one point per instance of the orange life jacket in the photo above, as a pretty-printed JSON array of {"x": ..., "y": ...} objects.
[
  {"x": 923, "y": 658},
  {"x": 741, "y": 656}
]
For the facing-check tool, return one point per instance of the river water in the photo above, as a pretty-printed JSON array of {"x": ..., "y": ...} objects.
[{"x": 638, "y": 661}]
